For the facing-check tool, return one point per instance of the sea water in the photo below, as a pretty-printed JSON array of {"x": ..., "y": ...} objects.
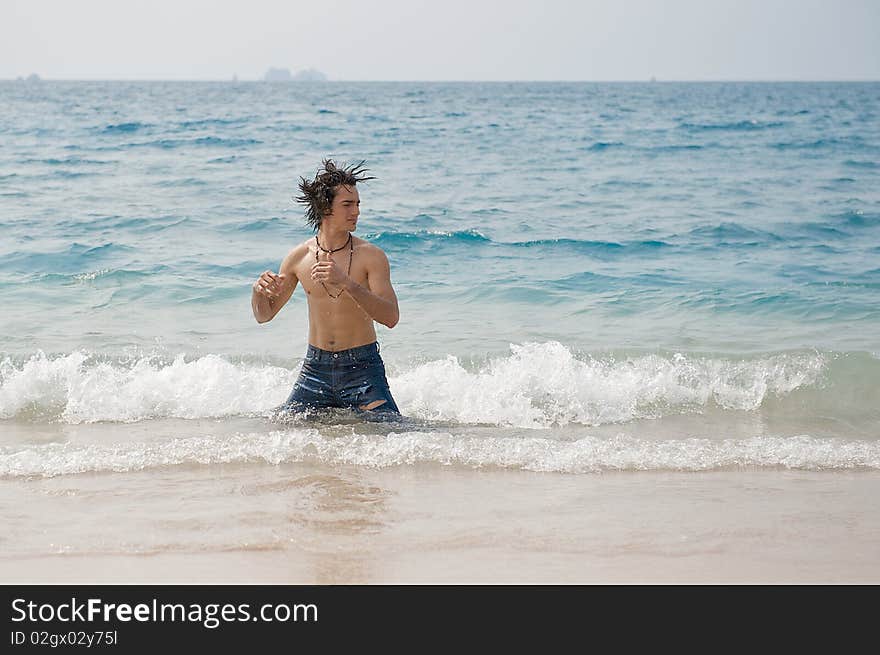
[{"x": 592, "y": 277}]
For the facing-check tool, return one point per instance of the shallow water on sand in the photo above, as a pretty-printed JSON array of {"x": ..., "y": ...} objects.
[{"x": 312, "y": 523}]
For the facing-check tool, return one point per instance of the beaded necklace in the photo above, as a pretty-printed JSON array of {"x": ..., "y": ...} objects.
[{"x": 348, "y": 243}]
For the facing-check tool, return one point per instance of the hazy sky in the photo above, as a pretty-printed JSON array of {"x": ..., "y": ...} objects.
[{"x": 443, "y": 39}]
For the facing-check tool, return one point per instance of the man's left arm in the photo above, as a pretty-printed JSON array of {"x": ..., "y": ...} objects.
[{"x": 379, "y": 301}]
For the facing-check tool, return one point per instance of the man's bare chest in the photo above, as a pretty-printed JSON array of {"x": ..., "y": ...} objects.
[{"x": 347, "y": 262}]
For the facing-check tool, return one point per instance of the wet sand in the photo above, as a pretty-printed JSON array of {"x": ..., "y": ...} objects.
[{"x": 315, "y": 524}]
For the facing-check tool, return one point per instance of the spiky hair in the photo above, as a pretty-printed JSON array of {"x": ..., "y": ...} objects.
[{"x": 319, "y": 193}]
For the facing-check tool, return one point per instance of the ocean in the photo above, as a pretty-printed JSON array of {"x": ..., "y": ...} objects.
[{"x": 636, "y": 299}]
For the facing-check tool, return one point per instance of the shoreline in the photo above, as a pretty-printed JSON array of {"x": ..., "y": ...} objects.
[{"x": 444, "y": 525}]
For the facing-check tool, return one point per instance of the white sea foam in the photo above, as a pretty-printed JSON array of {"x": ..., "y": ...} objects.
[
  {"x": 544, "y": 384},
  {"x": 586, "y": 455},
  {"x": 75, "y": 389},
  {"x": 538, "y": 385},
  {"x": 88, "y": 277}
]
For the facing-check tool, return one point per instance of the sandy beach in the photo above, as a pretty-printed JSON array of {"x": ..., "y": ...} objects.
[{"x": 309, "y": 524}]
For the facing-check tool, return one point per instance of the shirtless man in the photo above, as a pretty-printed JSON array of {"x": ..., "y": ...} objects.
[{"x": 348, "y": 286}]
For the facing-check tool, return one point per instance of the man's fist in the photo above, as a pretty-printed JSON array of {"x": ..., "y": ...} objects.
[
  {"x": 327, "y": 271},
  {"x": 269, "y": 285}
]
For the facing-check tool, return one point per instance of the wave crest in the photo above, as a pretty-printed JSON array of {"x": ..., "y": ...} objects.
[
  {"x": 79, "y": 388},
  {"x": 544, "y": 385},
  {"x": 587, "y": 455},
  {"x": 538, "y": 385}
]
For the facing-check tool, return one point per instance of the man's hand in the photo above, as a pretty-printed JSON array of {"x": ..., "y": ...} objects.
[
  {"x": 328, "y": 272},
  {"x": 268, "y": 285}
]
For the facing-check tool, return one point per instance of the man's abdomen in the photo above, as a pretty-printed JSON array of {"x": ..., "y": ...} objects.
[{"x": 339, "y": 326}]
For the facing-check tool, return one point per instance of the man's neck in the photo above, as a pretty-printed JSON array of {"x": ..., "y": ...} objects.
[{"x": 329, "y": 240}]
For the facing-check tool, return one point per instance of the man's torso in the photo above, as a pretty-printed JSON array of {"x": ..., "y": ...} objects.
[{"x": 335, "y": 323}]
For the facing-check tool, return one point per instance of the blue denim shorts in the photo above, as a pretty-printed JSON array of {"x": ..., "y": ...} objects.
[{"x": 345, "y": 378}]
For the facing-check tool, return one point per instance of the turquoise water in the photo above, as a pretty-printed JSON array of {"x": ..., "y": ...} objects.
[{"x": 568, "y": 257}]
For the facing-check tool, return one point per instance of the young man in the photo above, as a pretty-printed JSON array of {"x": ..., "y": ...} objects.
[{"x": 348, "y": 286}]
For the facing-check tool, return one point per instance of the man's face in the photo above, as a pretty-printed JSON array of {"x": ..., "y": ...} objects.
[{"x": 345, "y": 210}]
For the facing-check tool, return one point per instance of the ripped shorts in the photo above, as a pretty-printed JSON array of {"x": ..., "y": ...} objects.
[{"x": 349, "y": 378}]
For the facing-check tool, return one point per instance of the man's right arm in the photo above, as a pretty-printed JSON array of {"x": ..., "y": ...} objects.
[{"x": 271, "y": 292}]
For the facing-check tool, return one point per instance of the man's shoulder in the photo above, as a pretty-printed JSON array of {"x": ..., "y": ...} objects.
[
  {"x": 369, "y": 249},
  {"x": 301, "y": 249},
  {"x": 296, "y": 254}
]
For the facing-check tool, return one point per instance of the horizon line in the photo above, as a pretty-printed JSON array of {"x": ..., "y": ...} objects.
[{"x": 652, "y": 80}]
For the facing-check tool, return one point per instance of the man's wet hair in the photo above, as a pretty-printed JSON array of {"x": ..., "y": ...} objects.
[{"x": 318, "y": 194}]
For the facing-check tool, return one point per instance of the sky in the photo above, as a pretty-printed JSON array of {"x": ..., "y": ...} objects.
[{"x": 443, "y": 40}]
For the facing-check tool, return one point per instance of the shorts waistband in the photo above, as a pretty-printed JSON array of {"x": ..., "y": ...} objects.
[{"x": 360, "y": 353}]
